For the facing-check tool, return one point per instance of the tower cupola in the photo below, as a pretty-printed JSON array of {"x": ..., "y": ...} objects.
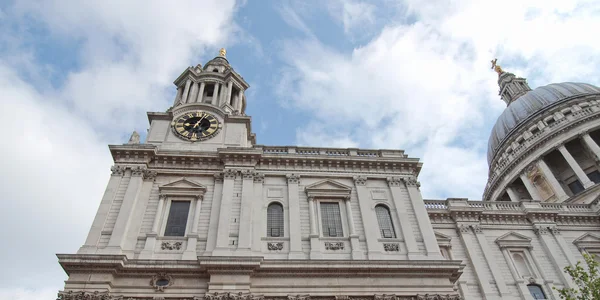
[
  {"x": 511, "y": 86},
  {"x": 216, "y": 84}
]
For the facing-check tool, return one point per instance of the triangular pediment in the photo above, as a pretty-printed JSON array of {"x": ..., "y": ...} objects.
[
  {"x": 442, "y": 239},
  {"x": 182, "y": 187},
  {"x": 328, "y": 188},
  {"x": 587, "y": 241},
  {"x": 513, "y": 239}
]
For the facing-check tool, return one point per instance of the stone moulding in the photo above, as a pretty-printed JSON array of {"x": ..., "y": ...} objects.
[
  {"x": 275, "y": 246},
  {"x": 247, "y": 296}
]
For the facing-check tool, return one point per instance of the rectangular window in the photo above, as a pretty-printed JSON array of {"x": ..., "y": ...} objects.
[
  {"x": 177, "y": 220},
  {"x": 594, "y": 176},
  {"x": 331, "y": 219},
  {"x": 576, "y": 187}
]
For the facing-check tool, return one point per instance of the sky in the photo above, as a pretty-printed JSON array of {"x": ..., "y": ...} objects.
[{"x": 76, "y": 76}]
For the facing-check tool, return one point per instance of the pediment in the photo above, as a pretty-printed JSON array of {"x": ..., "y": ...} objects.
[
  {"x": 182, "y": 187},
  {"x": 513, "y": 240},
  {"x": 587, "y": 241},
  {"x": 328, "y": 188},
  {"x": 442, "y": 239}
]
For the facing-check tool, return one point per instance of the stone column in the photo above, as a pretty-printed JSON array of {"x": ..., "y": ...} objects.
[
  {"x": 222, "y": 247},
  {"x": 543, "y": 232},
  {"x": 109, "y": 195},
  {"x": 228, "y": 96},
  {"x": 151, "y": 236},
  {"x": 512, "y": 194},
  {"x": 558, "y": 190},
  {"x": 239, "y": 102},
  {"x": 215, "y": 212},
  {"x": 193, "y": 93},
  {"x": 356, "y": 252},
  {"x": 215, "y": 98},
  {"x": 258, "y": 225},
  {"x": 184, "y": 97},
  {"x": 192, "y": 241},
  {"x": 530, "y": 187},
  {"x": 200, "y": 93},
  {"x": 178, "y": 96},
  {"x": 130, "y": 198},
  {"x": 402, "y": 208},
  {"x": 491, "y": 261},
  {"x": 315, "y": 244},
  {"x": 294, "y": 208},
  {"x": 431, "y": 246},
  {"x": 374, "y": 248},
  {"x": 466, "y": 236},
  {"x": 245, "y": 231},
  {"x": 575, "y": 167},
  {"x": 591, "y": 145}
]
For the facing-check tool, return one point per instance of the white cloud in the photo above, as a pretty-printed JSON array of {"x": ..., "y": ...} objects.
[
  {"x": 356, "y": 17},
  {"x": 426, "y": 86},
  {"x": 55, "y": 164}
]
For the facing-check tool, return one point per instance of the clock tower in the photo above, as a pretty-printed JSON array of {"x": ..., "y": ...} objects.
[{"x": 208, "y": 111}]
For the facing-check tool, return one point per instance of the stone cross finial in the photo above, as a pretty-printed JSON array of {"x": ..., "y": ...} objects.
[
  {"x": 222, "y": 52},
  {"x": 135, "y": 138},
  {"x": 496, "y": 67}
]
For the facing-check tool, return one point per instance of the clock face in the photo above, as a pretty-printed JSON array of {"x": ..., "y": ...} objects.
[{"x": 196, "y": 126}]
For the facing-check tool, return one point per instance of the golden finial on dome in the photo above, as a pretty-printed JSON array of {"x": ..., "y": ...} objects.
[
  {"x": 222, "y": 52},
  {"x": 496, "y": 67}
]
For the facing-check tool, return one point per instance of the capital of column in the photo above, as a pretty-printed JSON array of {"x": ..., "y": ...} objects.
[
  {"x": 218, "y": 177},
  {"x": 259, "y": 177},
  {"x": 248, "y": 174},
  {"x": 149, "y": 175},
  {"x": 230, "y": 173},
  {"x": 360, "y": 180},
  {"x": 411, "y": 181},
  {"x": 293, "y": 178},
  {"x": 162, "y": 197},
  {"x": 463, "y": 229},
  {"x": 138, "y": 171},
  {"x": 394, "y": 181},
  {"x": 540, "y": 229},
  {"x": 117, "y": 170}
]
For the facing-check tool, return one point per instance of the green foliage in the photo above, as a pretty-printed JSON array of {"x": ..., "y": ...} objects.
[{"x": 586, "y": 279}]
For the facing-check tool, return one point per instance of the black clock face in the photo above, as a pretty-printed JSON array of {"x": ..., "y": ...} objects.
[{"x": 195, "y": 126}]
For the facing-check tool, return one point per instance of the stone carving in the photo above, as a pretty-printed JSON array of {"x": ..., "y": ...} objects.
[
  {"x": 460, "y": 229},
  {"x": 555, "y": 230},
  {"x": 230, "y": 173},
  {"x": 385, "y": 297},
  {"x": 259, "y": 177},
  {"x": 170, "y": 246},
  {"x": 137, "y": 171},
  {"x": 540, "y": 230},
  {"x": 218, "y": 177},
  {"x": 394, "y": 181},
  {"x": 298, "y": 297},
  {"x": 135, "y": 138},
  {"x": 342, "y": 297},
  {"x": 70, "y": 295},
  {"x": 150, "y": 175},
  {"x": 411, "y": 181},
  {"x": 117, "y": 170},
  {"x": 360, "y": 180},
  {"x": 391, "y": 247},
  {"x": 477, "y": 228},
  {"x": 248, "y": 174},
  {"x": 230, "y": 296},
  {"x": 293, "y": 178},
  {"x": 161, "y": 281},
  {"x": 275, "y": 246},
  {"x": 437, "y": 297},
  {"x": 334, "y": 245}
]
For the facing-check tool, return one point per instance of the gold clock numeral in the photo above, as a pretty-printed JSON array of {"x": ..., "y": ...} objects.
[
  {"x": 199, "y": 114},
  {"x": 190, "y": 115},
  {"x": 194, "y": 136}
]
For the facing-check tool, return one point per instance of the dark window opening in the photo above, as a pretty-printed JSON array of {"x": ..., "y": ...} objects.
[
  {"x": 177, "y": 220},
  {"x": 594, "y": 176},
  {"x": 535, "y": 130},
  {"x": 275, "y": 220},
  {"x": 536, "y": 292},
  {"x": 332, "y": 219},
  {"x": 210, "y": 89},
  {"x": 384, "y": 219},
  {"x": 550, "y": 121},
  {"x": 215, "y": 70},
  {"x": 576, "y": 187}
]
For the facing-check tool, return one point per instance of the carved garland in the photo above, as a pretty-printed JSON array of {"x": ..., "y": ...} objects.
[{"x": 275, "y": 246}]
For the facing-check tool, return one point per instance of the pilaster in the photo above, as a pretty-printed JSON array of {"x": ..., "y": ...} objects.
[
  {"x": 356, "y": 252},
  {"x": 315, "y": 244},
  {"x": 431, "y": 246},
  {"x": 294, "y": 208},
  {"x": 543, "y": 231},
  {"x": 215, "y": 213},
  {"x": 374, "y": 248},
  {"x": 245, "y": 231},
  {"x": 258, "y": 225},
  {"x": 148, "y": 251},
  {"x": 402, "y": 213},
  {"x": 93, "y": 237},
  {"x": 222, "y": 247},
  {"x": 192, "y": 237},
  {"x": 466, "y": 236},
  {"x": 490, "y": 260}
]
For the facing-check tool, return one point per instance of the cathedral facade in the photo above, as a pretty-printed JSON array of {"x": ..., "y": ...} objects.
[{"x": 200, "y": 211}]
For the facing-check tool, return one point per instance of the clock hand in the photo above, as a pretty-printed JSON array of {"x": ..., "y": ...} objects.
[{"x": 198, "y": 123}]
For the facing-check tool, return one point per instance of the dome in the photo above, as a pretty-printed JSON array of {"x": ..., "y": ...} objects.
[{"x": 532, "y": 103}]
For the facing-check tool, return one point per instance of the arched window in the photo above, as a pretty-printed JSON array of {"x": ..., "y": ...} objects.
[
  {"x": 536, "y": 291},
  {"x": 215, "y": 70},
  {"x": 521, "y": 265},
  {"x": 386, "y": 227},
  {"x": 275, "y": 220}
]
